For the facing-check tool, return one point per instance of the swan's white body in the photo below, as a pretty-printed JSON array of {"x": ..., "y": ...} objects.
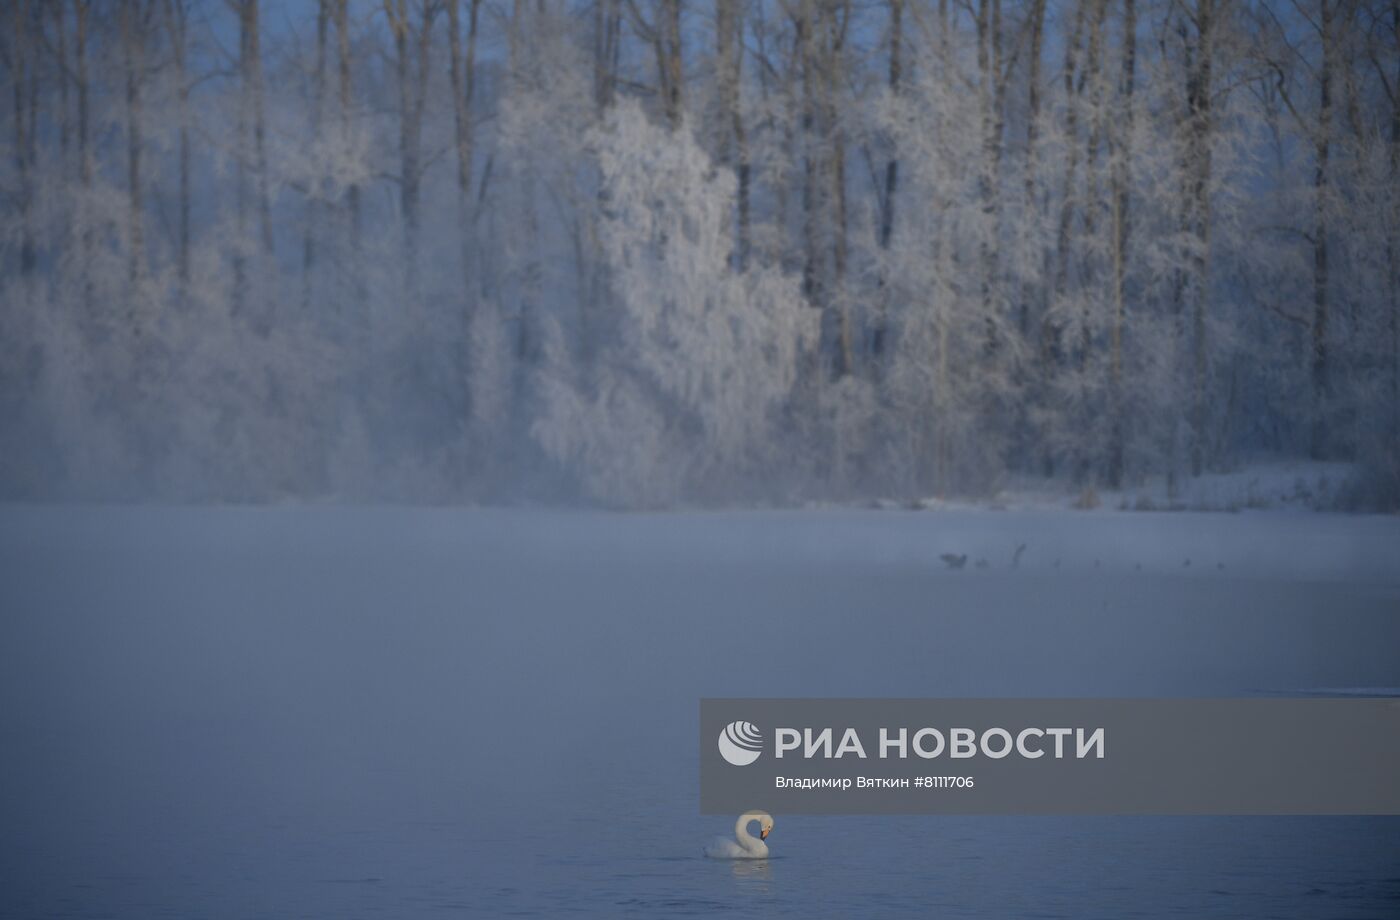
[{"x": 744, "y": 845}]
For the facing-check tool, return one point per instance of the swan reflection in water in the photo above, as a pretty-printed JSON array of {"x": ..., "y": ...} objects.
[{"x": 756, "y": 872}]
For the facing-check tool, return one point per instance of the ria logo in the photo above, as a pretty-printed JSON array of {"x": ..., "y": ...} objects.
[{"x": 740, "y": 743}]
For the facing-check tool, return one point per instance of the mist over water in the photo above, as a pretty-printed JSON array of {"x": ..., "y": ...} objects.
[{"x": 331, "y": 712}]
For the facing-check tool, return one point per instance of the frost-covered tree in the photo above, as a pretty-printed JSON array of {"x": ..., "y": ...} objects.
[
  {"x": 687, "y": 399},
  {"x": 945, "y": 376}
]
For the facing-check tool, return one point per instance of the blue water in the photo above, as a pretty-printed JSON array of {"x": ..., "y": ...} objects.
[{"x": 401, "y": 713}]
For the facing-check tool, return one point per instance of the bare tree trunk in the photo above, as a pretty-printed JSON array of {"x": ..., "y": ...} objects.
[
  {"x": 341, "y": 18},
  {"x": 176, "y": 27},
  {"x": 412, "y": 96},
  {"x": 942, "y": 402},
  {"x": 1031, "y": 290},
  {"x": 1051, "y": 331},
  {"x": 1392, "y": 246},
  {"x": 463, "y": 72},
  {"x": 945, "y": 37},
  {"x": 246, "y": 155},
  {"x": 820, "y": 39},
  {"x": 663, "y": 33},
  {"x": 833, "y": 51},
  {"x": 22, "y": 74},
  {"x": 1055, "y": 261},
  {"x": 1321, "y": 365},
  {"x": 251, "y": 116},
  {"x": 1094, "y": 79},
  {"x": 81, "y": 9},
  {"x": 607, "y": 41},
  {"x": 778, "y": 80},
  {"x": 532, "y": 272},
  {"x": 60, "y": 21},
  {"x": 991, "y": 90},
  {"x": 1199, "y": 128},
  {"x": 591, "y": 266},
  {"x": 892, "y": 166},
  {"x": 675, "y": 69},
  {"x": 313, "y": 199},
  {"x": 1122, "y": 156},
  {"x": 812, "y": 273},
  {"x": 1033, "y": 98},
  {"x": 80, "y": 22},
  {"x": 255, "y": 74},
  {"x": 729, "y": 30},
  {"x": 240, "y": 202},
  {"x": 133, "y": 39},
  {"x": 881, "y": 324},
  {"x": 942, "y": 398}
]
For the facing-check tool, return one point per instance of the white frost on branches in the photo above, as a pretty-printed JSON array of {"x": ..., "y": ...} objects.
[{"x": 705, "y": 357}]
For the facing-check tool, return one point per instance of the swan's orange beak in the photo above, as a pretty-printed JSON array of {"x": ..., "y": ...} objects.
[{"x": 763, "y": 834}]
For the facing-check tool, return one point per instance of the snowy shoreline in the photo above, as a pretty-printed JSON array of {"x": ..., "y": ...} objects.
[{"x": 964, "y": 542}]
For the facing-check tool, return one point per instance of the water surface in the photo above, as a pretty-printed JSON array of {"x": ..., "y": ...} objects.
[{"x": 402, "y": 713}]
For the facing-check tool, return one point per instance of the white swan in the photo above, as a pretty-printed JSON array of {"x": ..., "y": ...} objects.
[{"x": 744, "y": 845}]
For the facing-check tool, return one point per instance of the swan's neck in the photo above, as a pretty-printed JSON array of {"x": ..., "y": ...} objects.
[{"x": 746, "y": 840}]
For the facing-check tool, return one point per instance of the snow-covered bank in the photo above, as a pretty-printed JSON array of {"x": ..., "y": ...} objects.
[
  {"x": 1315, "y": 546},
  {"x": 961, "y": 541},
  {"x": 1284, "y": 484}
]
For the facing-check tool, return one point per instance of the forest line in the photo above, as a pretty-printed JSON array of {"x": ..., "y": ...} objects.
[{"x": 648, "y": 253}]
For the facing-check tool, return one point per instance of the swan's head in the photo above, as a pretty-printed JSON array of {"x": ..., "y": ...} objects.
[{"x": 765, "y": 822}]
